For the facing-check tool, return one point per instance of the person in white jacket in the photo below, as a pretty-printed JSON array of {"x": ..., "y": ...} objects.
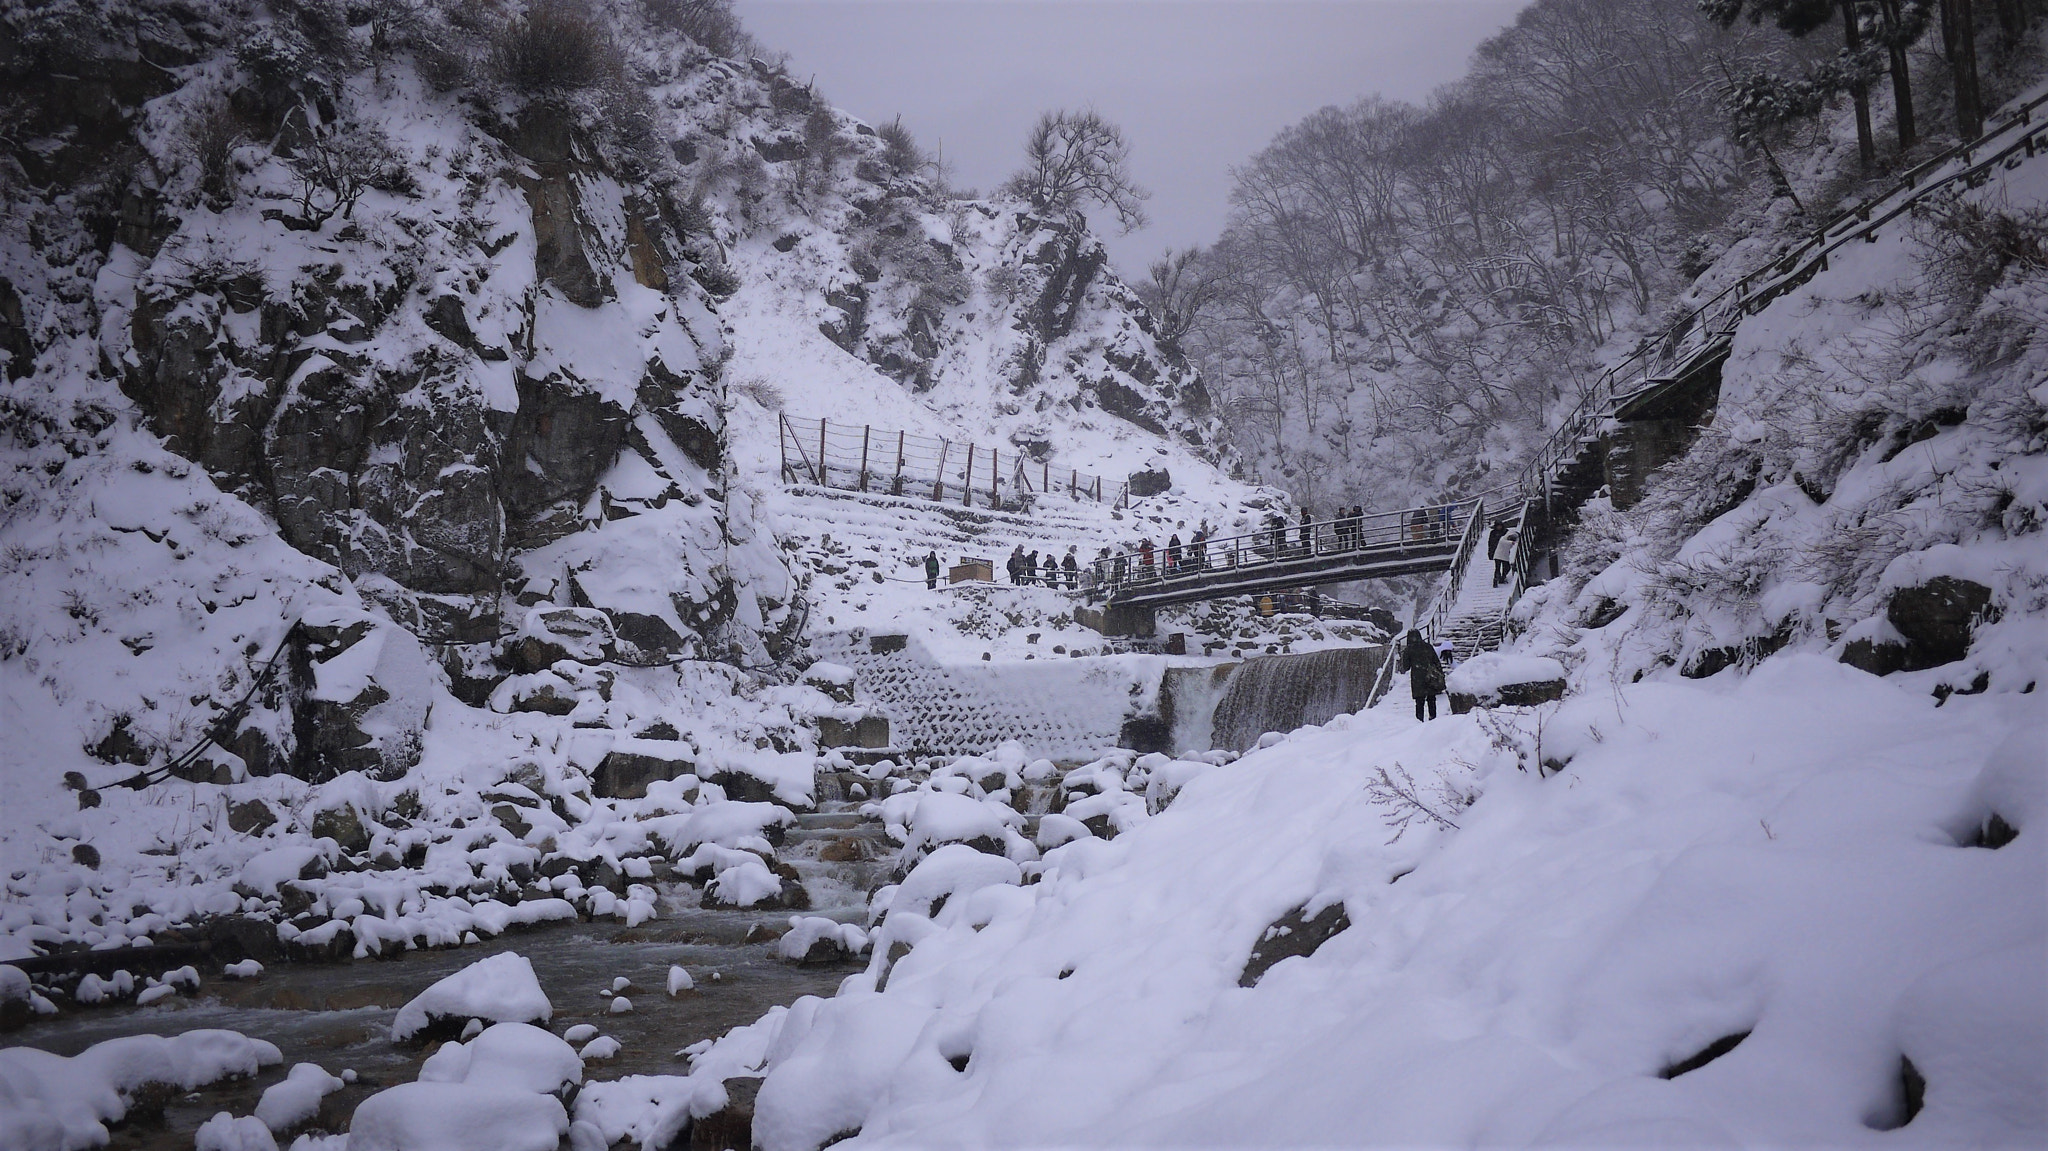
[{"x": 1504, "y": 556}]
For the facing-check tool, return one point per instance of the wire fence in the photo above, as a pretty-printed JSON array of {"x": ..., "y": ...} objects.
[{"x": 864, "y": 458}]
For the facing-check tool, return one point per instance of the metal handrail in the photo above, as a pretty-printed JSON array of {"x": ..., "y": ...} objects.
[
  {"x": 1432, "y": 620},
  {"x": 1280, "y": 544}
]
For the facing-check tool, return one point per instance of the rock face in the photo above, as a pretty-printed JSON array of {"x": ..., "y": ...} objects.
[
  {"x": 1937, "y": 619},
  {"x": 1295, "y": 933},
  {"x": 445, "y": 361}
]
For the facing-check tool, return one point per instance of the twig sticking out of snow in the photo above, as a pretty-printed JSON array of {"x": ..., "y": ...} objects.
[{"x": 1404, "y": 803}]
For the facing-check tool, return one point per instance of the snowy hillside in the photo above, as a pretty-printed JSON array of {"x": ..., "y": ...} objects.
[{"x": 1770, "y": 874}]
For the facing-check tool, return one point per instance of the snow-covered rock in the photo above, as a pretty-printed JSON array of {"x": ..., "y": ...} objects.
[{"x": 501, "y": 988}]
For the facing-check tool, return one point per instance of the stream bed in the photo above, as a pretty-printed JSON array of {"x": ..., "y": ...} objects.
[{"x": 339, "y": 1015}]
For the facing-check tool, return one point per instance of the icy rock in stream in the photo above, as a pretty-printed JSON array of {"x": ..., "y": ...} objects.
[
  {"x": 457, "y": 1117},
  {"x": 501, "y": 988},
  {"x": 224, "y": 1132},
  {"x": 286, "y": 1105},
  {"x": 679, "y": 980},
  {"x": 507, "y": 1055}
]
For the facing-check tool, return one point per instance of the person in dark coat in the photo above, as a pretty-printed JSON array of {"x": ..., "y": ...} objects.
[
  {"x": 1173, "y": 553},
  {"x": 1425, "y": 672},
  {"x": 931, "y": 571},
  {"x": 1357, "y": 526},
  {"x": 1052, "y": 569},
  {"x": 1119, "y": 570},
  {"x": 1031, "y": 567},
  {"x": 1308, "y": 533},
  {"x": 1072, "y": 567},
  {"x": 1493, "y": 534},
  {"x": 1015, "y": 564}
]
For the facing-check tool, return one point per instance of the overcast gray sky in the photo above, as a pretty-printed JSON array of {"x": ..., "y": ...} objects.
[{"x": 1197, "y": 85}]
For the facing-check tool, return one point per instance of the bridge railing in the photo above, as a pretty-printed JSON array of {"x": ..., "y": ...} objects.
[
  {"x": 860, "y": 457},
  {"x": 1132, "y": 571}
]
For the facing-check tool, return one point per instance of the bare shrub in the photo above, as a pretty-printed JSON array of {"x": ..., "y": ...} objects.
[
  {"x": 760, "y": 391},
  {"x": 900, "y": 150},
  {"x": 1968, "y": 246},
  {"x": 333, "y": 167},
  {"x": 1406, "y": 802},
  {"x": 556, "y": 46},
  {"x": 711, "y": 23},
  {"x": 212, "y": 133}
]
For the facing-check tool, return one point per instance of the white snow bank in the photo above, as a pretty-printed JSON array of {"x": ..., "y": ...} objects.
[
  {"x": 1766, "y": 855},
  {"x": 1486, "y": 673},
  {"x": 501, "y": 988},
  {"x": 457, "y": 1117},
  {"x": 54, "y": 1103}
]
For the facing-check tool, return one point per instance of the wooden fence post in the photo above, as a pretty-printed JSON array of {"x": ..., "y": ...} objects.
[
  {"x": 967, "y": 479},
  {"x": 821, "y": 453},
  {"x": 1072, "y": 477},
  {"x": 994, "y": 476},
  {"x": 782, "y": 442},
  {"x": 939, "y": 486},
  {"x": 896, "y": 485},
  {"x": 865, "y": 431}
]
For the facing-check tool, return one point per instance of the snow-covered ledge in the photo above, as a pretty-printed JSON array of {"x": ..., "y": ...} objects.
[{"x": 1495, "y": 679}]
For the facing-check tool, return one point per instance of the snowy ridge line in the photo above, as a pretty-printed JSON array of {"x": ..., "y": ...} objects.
[
  {"x": 806, "y": 447},
  {"x": 1675, "y": 349}
]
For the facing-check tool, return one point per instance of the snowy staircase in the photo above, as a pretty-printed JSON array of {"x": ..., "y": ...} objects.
[{"x": 1477, "y": 621}]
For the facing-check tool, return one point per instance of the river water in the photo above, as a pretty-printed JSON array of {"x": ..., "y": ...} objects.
[{"x": 339, "y": 1015}]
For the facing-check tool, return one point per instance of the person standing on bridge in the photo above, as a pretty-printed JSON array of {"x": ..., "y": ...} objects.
[
  {"x": 1015, "y": 565},
  {"x": 1493, "y": 534},
  {"x": 1173, "y": 554},
  {"x": 1145, "y": 568},
  {"x": 1198, "y": 547},
  {"x": 931, "y": 571},
  {"x": 1052, "y": 570},
  {"x": 1119, "y": 571},
  {"x": 1308, "y": 533},
  {"x": 1030, "y": 567},
  {"x": 1072, "y": 567},
  {"x": 1425, "y": 672},
  {"x": 1504, "y": 555},
  {"x": 1357, "y": 526}
]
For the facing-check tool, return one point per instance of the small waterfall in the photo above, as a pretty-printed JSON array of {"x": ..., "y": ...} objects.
[
  {"x": 1187, "y": 699},
  {"x": 1283, "y": 692}
]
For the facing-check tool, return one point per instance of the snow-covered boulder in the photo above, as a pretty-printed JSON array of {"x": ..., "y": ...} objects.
[
  {"x": 1496, "y": 679},
  {"x": 54, "y": 1103},
  {"x": 296, "y": 1100},
  {"x": 502, "y": 989},
  {"x": 507, "y": 1055},
  {"x": 457, "y": 1117}
]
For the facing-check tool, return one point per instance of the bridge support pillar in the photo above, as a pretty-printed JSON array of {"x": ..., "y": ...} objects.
[{"x": 1120, "y": 619}]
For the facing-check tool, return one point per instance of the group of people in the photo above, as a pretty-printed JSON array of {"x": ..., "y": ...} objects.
[{"x": 1026, "y": 570}]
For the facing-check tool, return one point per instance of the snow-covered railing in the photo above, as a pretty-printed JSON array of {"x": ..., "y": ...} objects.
[
  {"x": 1700, "y": 331},
  {"x": 1280, "y": 541},
  {"x": 1433, "y": 620},
  {"x": 863, "y": 458}
]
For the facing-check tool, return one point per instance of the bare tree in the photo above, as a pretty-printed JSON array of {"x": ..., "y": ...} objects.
[
  {"x": 1074, "y": 157},
  {"x": 332, "y": 168},
  {"x": 1179, "y": 290}
]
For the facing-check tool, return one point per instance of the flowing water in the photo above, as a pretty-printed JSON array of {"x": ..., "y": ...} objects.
[
  {"x": 339, "y": 1015},
  {"x": 1283, "y": 692}
]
